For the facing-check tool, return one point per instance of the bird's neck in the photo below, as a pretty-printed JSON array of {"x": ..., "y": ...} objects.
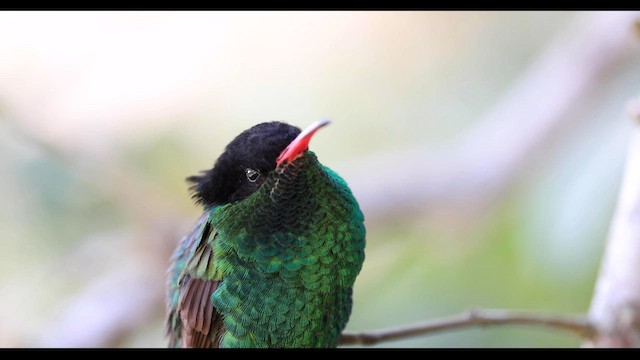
[{"x": 285, "y": 203}]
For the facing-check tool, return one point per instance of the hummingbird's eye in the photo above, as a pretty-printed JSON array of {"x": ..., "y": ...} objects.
[{"x": 252, "y": 175}]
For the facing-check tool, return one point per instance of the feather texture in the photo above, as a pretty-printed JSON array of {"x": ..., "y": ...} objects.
[
  {"x": 192, "y": 320},
  {"x": 271, "y": 265}
]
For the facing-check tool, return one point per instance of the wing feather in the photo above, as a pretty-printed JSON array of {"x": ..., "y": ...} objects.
[{"x": 192, "y": 319}]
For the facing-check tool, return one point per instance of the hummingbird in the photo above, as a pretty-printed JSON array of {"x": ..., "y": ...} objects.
[{"x": 273, "y": 259}]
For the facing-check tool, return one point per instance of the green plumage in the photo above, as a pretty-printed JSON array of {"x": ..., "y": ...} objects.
[{"x": 283, "y": 261}]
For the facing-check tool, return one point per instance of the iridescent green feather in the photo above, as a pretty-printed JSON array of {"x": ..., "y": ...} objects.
[
  {"x": 287, "y": 257},
  {"x": 181, "y": 256},
  {"x": 289, "y": 266}
]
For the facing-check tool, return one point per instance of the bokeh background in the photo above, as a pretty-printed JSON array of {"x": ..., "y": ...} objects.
[{"x": 486, "y": 149}]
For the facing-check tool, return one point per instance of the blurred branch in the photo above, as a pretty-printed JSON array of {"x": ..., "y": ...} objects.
[
  {"x": 482, "y": 165},
  {"x": 118, "y": 303},
  {"x": 476, "y": 317},
  {"x": 616, "y": 302}
]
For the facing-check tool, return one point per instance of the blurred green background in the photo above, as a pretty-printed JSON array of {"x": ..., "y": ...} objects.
[{"x": 103, "y": 115}]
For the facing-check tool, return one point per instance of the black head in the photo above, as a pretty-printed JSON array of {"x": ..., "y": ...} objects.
[{"x": 244, "y": 165}]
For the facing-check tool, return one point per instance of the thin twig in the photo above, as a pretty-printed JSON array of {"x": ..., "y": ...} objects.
[{"x": 576, "y": 324}]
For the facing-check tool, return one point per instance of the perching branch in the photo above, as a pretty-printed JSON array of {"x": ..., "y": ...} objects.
[
  {"x": 616, "y": 300},
  {"x": 579, "y": 325}
]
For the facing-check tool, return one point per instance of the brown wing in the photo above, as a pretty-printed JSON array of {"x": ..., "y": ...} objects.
[
  {"x": 193, "y": 320},
  {"x": 201, "y": 323}
]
